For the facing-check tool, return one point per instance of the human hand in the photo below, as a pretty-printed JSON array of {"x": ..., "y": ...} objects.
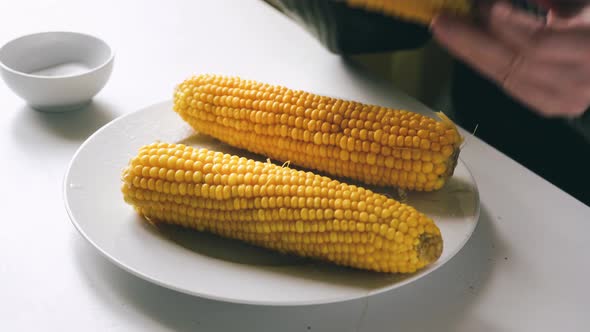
[{"x": 545, "y": 64}]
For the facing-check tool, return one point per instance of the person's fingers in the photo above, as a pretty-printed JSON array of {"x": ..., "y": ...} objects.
[
  {"x": 561, "y": 5},
  {"x": 582, "y": 17},
  {"x": 548, "y": 101},
  {"x": 552, "y": 95},
  {"x": 536, "y": 97},
  {"x": 529, "y": 35},
  {"x": 571, "y": 45},
  {"x": 565, "y": 9},
  {"x": 546, "y": 69},
  {"x": 513, "y": 26},
  {"x": 474, "y": 46},
  {"x": 548, "y": 73},
  {"x": 566, "y": 13}
]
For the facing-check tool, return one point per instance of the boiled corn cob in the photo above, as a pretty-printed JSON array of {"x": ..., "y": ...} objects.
[
  {"x": 422, "y": 11},
  {"x": 368, "y": 143},
  {"x": 279, "y": 208}
]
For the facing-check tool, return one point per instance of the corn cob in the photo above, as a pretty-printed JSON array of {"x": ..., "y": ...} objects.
[
  {"x": 279, "y": 208},
  {"x": 368, "y": 143},
  {"x": 421, "y": 11}
]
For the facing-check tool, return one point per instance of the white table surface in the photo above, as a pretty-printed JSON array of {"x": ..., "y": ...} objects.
[{"x": 525, "y": 268}]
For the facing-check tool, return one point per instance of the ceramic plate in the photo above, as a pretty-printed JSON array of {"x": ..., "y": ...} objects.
[{"x": 216, "y": 268}]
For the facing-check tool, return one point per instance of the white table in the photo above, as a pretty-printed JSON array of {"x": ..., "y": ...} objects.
[{"x": 525, "y": 268}]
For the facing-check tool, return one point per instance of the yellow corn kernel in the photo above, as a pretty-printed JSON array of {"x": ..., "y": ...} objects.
[
  {"x": 320, "y": 218},
  {"x": 341, "y": 138}
]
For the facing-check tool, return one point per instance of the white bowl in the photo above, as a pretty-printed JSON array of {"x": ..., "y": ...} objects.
[{"x": 56, "y": 71}]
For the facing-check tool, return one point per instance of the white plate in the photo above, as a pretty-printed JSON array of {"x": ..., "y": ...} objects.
[{"x": 215, "y": 268}]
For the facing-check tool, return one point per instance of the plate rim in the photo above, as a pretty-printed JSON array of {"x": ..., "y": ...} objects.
[{"x": 147, "y": 277}]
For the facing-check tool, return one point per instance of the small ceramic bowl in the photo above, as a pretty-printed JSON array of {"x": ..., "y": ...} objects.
[{"x": 56, "y": 71}]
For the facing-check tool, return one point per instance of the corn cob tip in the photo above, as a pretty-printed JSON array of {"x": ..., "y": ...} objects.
[
  {"x": 454, "y": 158},
  {"x": 450, "y": 124},
  {"x": 430, "y": 247}
]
